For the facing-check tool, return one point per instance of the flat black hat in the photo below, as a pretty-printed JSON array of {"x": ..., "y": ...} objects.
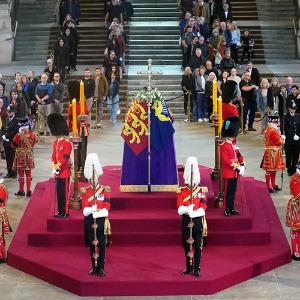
[
  {"x": 229, "y": 91},
  {"x": 57, "y": 124},
  {"x": 230, "y": 127},
  {"x": 73, "y": 89}
]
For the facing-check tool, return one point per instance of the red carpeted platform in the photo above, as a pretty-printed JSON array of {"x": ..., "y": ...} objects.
[{"x": 146, "y": 257}]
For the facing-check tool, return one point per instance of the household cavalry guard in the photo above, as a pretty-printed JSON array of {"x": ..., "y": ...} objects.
[
  {"x": 192, "y": 204},
  {"x": 96, "y": 205}
]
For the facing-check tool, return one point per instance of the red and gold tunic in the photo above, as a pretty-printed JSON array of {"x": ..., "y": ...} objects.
[
  {"x": 273, "y": 159},
  {"x": 230, "y": 158},
  {"x": 23, "y": 142},
  {"x": 293, "y": 207},
  {"x": 4, "y": 223},
  {"x": 198, "y": 195},
  {"x": 62, "y": 149},
  {"x": 70, "y": 119},
  {"x": 102, "y": 194}
]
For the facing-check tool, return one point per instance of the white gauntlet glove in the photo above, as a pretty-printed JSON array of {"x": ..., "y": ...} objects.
[
  {"x": 182, "y": 210},
  {"x": 101, "y": 213},
  {"x": 242, "y": 170},
  {"x": 296, "y": 137},
  {"x": 200, "y": 212},
  {"x": 87, "y": 211}
]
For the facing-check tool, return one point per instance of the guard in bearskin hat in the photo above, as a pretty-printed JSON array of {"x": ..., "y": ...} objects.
[
  {"x": 292, "y": 141},
  {"x": 23, "y": 143},
  {"x": 4, "y": 222},
  {"x": 229, "y": 92},
  {"x": 96, "y": 204},
  {"x": 293, "y": 213},
  {"x": 192, "y": 204},
  {"x": 61, "y": 162},
  {"x": 232, "y": 163},
  {"x": 273, "y": 159},
  {"x": 73, "y": 89}
]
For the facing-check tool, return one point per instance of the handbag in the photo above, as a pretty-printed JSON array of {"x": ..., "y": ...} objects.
[{"x": 218, "y": 58}]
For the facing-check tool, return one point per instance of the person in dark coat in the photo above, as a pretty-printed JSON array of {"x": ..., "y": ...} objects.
[
  {"x": 292, "y": 141},
  {"x": 62, "y": 57},
  {"x": 9, "y": 129},
  {"x": 197, "y": 60}
]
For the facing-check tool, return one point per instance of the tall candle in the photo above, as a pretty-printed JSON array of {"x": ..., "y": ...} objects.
[
  {"x": 74, "y": 117},
  {"x": 81, "y": 97},
  {"x": 215, "y": 104},
  {"x": 220, "y": 114}
]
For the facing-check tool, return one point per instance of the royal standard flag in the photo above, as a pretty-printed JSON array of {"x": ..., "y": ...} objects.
[{"x": 135, "y": 131}]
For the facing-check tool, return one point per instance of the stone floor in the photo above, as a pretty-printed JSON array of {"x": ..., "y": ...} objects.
[{"x": 192, "y": 139}]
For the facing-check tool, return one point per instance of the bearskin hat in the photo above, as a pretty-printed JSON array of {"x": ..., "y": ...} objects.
[
  {"x": 73, "y": 90},
  {"x": 229, "y": 91},
  {"x": 57, "y": 124},
  {"x": 230, "y": 127}
]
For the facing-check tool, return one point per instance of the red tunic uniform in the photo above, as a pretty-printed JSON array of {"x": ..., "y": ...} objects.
[
  {"x": 23, "y": 142},
  {"x": 272, "y": 159},
  {"x": 102, "y": 195},
  {"x": 70, "y": 119},
  {"x": 230, "y": 158},
  {"x": 62, "y": 149},
  {"x": 293, "y": 215},
  {"x": 228, "y": 110},
  {"x": 200, "y": 201}
]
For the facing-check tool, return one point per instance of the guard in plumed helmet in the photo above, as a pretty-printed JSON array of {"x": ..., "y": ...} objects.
[
  {"x": 4, "y": 222},
  {"x": 273, "y": 159},
  {"x": 232, "y": 163},
  {"x": 96, "y": 205},
  {"x": 61, "y": 162},
  {"x": 292, "y": 141},
  {"x": 192, "y": 204},
  {"x": 293, "y": 213},
  {"x": 23, "y": 143},
  {"x": 229, "y": 92},
  {"x": 73, "y": 89}
]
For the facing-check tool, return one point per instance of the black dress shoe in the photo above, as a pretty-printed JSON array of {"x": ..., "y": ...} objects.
[
  {"x": 235, "y": 212},
  {"x": 94, "y": 271},
  {"x": 57, "y": 215},
  {"x": 63, "y": 215},
  {"x": 272, "y": 191},
  {"x": 277, "y": 188},
  {"x": 8, "y": 175},
  {"x": 19, "y": 193},
  {"x": 28, "y": 194},
  {"x": 102, "y": 273},
  {"x": 75, "y": 69},
  {"x": 294, "y": 257},
  {"x": 197, "y": 273},
  {"x": 251, "y": 129},
  {"x": 227, "y": 213},
  {"x": 187, "y": 271}
]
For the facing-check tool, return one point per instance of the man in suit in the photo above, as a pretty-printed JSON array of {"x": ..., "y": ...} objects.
[
  {"x": 9, "y": 129},
  {"x": 213, "y": 12},
  {"x": 201, "y": 9},
  {"x": 255, "y": 76},
  {"x": 226, "y": 14}
]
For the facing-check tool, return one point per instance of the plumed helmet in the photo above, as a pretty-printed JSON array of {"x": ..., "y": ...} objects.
[
  {"x": 92, "y": 166},
  {"x": 229, "y": 91},
  {"x": 230, "y": 127},
  {"x": 191, "y": 165},
  {"x": 73, "y": 90},
  {"x": 57, "y": 124}
]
